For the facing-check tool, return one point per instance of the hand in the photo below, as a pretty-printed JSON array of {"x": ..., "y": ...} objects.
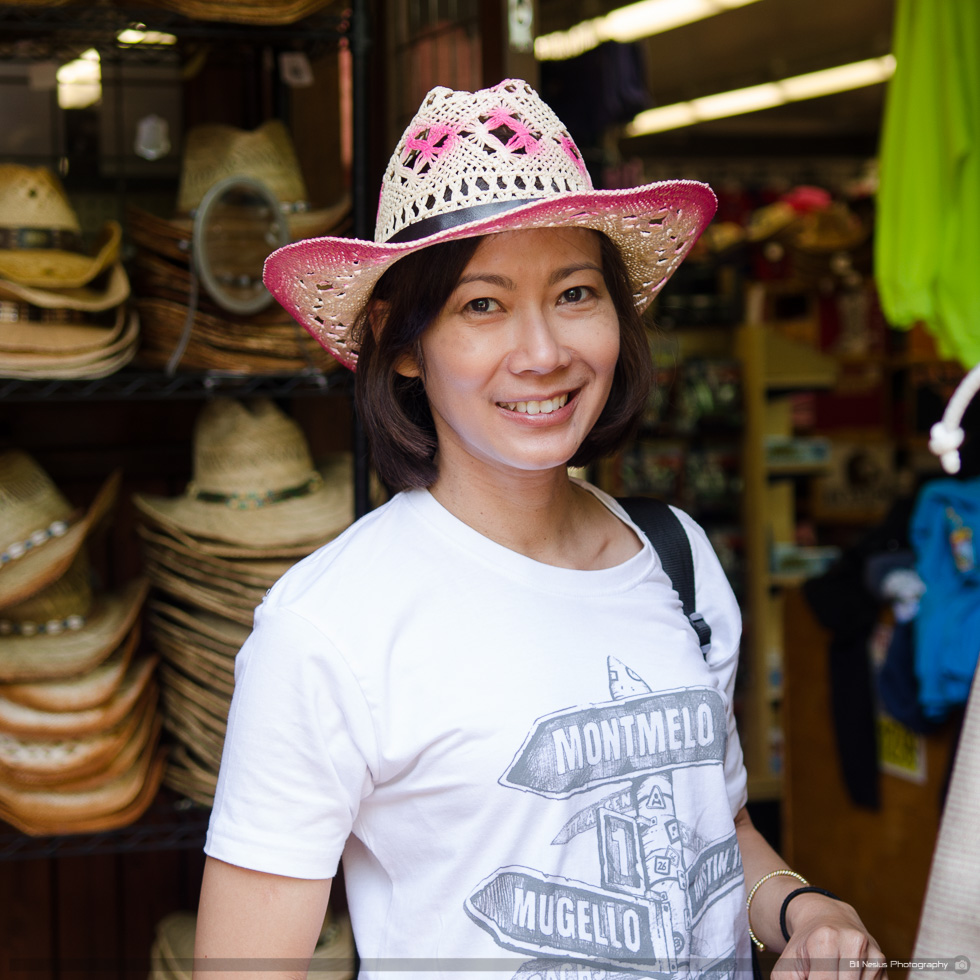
[{"x": 827, "y": 940}]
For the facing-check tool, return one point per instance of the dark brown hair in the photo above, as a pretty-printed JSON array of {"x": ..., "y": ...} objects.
[{"x": 395, "y": 410}]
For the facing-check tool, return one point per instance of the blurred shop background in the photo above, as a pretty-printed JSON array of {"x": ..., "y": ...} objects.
[{"x": 803, "y": 353}]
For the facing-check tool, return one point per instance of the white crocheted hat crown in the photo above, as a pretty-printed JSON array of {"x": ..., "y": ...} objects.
[
  {"x": 479, "y": 163},
  {"x": 464, "y": 150}
]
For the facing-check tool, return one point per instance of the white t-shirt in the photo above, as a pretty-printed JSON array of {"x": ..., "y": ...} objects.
[{"x": 523, "y": 766}]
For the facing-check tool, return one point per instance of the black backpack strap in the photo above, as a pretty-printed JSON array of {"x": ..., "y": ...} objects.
[{"x": 669, "y": 539}]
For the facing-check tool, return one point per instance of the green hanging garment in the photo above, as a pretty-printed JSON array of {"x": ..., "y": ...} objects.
[{"x": 927, "y": 235}]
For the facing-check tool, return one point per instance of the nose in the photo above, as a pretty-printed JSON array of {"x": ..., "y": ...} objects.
[{"x": 537, "y": 345}]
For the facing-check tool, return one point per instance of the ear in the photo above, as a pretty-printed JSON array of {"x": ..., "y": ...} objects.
[
  {"x": 408, "y": 367},
  {"x": 377, "y": 314}
]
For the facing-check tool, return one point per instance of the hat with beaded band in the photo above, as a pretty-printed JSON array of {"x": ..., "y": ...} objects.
[
  {"x": 40, "y": 532},
  {"x": 478, "y": 163}
]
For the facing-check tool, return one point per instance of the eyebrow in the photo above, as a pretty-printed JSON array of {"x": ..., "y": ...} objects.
[{"x": 505, "y": 282}]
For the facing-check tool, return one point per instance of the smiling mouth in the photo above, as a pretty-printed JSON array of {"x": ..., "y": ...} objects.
[{"x": 543, "y": 407}]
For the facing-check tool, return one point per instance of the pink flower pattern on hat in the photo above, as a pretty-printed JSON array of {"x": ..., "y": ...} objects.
[
  {"x": 568, "y": 145},
  {"x": 426, "y": 144},
  {"x": 522, "y": 138}
]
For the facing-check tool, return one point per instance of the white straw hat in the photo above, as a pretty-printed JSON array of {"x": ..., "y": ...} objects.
[{"x": 478, "y": 163}]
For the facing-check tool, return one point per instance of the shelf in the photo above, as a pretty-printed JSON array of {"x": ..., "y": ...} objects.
[
  {"x": 92, "y": 23},
  {"x": 172, "y": 823},
  {"x": 151, "y": 386}
]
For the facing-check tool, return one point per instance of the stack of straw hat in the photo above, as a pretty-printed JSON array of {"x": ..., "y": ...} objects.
[
  {"x": 79, "y": 729},
  {"x": 269, "y": 342},
  {"x": 259, "y": 12},
  {"x": 256, "y": 504},
  {"x": 63, "y": 311},
  {"x": 172, "y": 952}
]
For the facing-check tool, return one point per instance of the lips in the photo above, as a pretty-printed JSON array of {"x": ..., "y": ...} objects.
[{"x": 543, "y": 407}]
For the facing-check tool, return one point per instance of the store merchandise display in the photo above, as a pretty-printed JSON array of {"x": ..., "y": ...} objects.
[
  {"x": 184, "y": 327},
  {"x": 172, "y": 952},
  {"x": 64, "y": 312},
  {"x": 255, "y": 505},
  {"x": 79, "y": 730}
]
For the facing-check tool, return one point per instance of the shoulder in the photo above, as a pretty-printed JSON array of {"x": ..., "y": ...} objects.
[{"x": 365, "y": 545}]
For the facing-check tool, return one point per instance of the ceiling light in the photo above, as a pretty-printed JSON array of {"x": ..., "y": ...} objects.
[
  {"x": 843, "y": 78},
  {"x": 630, "y": 23},
  {"x": 80, "y": 81}
]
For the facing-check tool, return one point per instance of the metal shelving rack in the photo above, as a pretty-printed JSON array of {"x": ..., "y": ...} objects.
[
  {"x": 35, "y": 32},
  {"x": 134, "y": 385}
]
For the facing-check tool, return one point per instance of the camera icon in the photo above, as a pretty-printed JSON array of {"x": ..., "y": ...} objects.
[{"x": 961, "y": 965}]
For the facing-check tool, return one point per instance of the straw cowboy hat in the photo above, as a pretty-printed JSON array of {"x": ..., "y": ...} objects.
[
  {"x": 66, "y": 628},
  {"x": 41, "y": 533},
  {"x": 117, "y": 348},
  {"x": 477, "y": 163},
  {"x": 105, "y": 292},
  {"x": 172, "y": 955},
  {"x": 213, "y": 152},
  {"x": 74, "y": 808},
  {"x": 38, "y": 762},
  {"x": 253, "y": 483},
  {"x": 244, "y": 11},
  {"x": 80, "y": 691},
  {"x": 40, "y": 236}
]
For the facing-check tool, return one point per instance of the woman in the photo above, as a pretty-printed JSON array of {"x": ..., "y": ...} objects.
[{"x": 485, "y": 693}]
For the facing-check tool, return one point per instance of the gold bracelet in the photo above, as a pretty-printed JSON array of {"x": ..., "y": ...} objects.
[{"x": 759, "y": 945}]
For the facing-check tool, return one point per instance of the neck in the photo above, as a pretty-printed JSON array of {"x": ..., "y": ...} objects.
[{"x": 542, "y": 515}]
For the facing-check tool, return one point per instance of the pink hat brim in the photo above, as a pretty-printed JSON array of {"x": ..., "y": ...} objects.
[{"x": 324, "y": 283}]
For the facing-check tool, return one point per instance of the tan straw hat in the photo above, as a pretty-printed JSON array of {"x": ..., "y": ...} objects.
[
  {"x": 19, "y": 719},
  {"x": 478, "y": 163},
  {"x": 105, "y": 292},
  {"x": 244, "y": 11},
  {"x": 214, "y": 152},
  {"x": 40, "y": 531},
  {"x": 258, "y": 344},
  {"x": 40, "y": 236},
  {"x": 75, "y": 810},
  {"x": 64, "y": 629},
  {"x": 42, "y": 364},
  {"x": 333, "y": 957},
  {"x": 253, "y": 482},
  {"x": 76, "y": 333},
  {"x": 54, "y": 761},
  {"x": 81, "y": 691}
]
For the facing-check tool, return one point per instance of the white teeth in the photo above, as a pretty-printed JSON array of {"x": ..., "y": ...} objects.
[{"x": 545, "y": 407}]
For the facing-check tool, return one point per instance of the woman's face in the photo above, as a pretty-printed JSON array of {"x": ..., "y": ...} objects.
[{"x": 519, "y": 363}]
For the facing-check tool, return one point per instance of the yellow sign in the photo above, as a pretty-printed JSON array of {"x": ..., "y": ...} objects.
[{"x": 901, "y": 752}]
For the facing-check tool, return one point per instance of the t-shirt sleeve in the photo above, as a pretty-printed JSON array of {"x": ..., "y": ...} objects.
[
  {"x": 298, "y": 754},
  {"x": 715, "y": 601}
]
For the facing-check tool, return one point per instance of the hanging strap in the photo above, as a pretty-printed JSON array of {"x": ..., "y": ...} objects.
[{"x": 669, "y": 539}]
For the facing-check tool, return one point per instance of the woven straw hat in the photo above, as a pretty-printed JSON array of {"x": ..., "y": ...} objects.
[
  {"x": 67, "y": 809},
  {"x": 214, "y": 152},
  {"x": 172, "y": 957},
  {"x": 40, "y": 237},
  {"x": 91, "y": 362},
  {"x": 258, "y": 344},
  {"x": 86, "y": 690},
  {"x": 102, "y": 293},
  {"x": 54, "y": 761},
  {"x": 64, "y": 629},
  {"x": 244, "y": 11},
  {"x": 253, "y": 483},
  {"x": 19, "y": 719},
  {"x": 477, "y": 163},
  {"x": 40, "y": 531},
  {"x": 77, "y": 333}
]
